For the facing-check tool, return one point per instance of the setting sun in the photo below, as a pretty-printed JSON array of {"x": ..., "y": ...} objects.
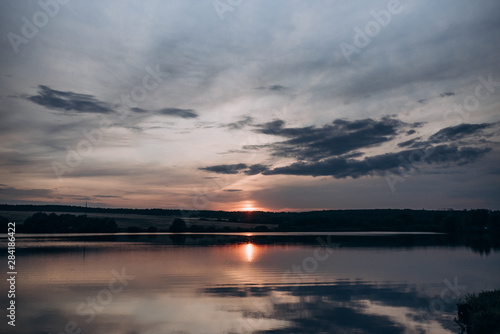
[{"x": 249, "y": 206}]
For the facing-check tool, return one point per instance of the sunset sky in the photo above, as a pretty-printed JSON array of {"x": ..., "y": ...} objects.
[{"x": 250, "y": 105}]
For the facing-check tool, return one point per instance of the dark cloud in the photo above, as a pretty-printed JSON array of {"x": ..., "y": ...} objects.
[
  {"x": 339, "y": 137},
  {"x": 225, "y": 169},
  {"x": 69, "y": 101},
  {"x": 341, "y": 167},
  {"x": 276, "y": 88},
  {"x": 256, "y": 169},
  {"x": 334, "y": 149},
  {"x": 459, "y": 132},
  {"x": 408, "y": 142},
  {"x": 446, "y": 94},
  {"x": 184, "y": 113},
  {"x": 175, "y": 112},
  {"x": 139, "y": 110},
  {"x": 272, "y": 128},
  {"x": 247, "y": 120},
  {"x": 233, "y": 190},
  {"x": 236, "y": 168},
  {"x": 467, "y": 134},
  {"x": 107, "y": 196},
  {"x": 16, "y": 193}
]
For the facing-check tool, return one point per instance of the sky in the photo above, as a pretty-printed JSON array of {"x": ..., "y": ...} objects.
[{"x": 250, "y": 105}]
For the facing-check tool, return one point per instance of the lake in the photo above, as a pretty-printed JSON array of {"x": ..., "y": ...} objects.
[{"x": 247, "y": 283}]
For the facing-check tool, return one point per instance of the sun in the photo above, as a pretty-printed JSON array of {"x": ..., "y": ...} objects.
[{"x": 248, "y": 206}]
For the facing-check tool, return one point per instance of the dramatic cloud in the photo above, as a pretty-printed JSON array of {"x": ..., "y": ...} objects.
[
  {"x": 276, "y": 88},
  {"x": 256, "y": 169},
  {"x": 247, "y": 120},
  {"x": 139, "y": 110},
  {"x": 378, "y": 165},
  {"x": 184, "y": 113},
  {"x": 408, "y": 142},
  {"x": 459, "y": 132},
  {"x": 466, "y": 134},
  {"x": 339, "y": 137},
  {"x": 10, "y": 193},
  {"x": 236, "y": 168},
  {"x": 69, "y": 101},
  {"x": 148, "y": 97},
  {"x": 332, "y": 149},
  {"x": 174, "y": 112},
  {"x": 107, "y": 196},
  {"x": 225, "y": 169}
]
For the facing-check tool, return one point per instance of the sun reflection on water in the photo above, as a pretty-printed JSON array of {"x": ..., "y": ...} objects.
[{"x": 249, "y": 252}]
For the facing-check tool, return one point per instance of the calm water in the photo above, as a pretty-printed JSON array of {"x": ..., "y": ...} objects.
[{"x": 340, "y": 283}]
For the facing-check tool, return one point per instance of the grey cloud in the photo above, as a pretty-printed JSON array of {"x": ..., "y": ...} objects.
[
  {"x": 107, "y": 196},
  {"x": 16, "y": 193},
  {"x": 246, "y": 120},
  {"x": 184, "y": 113},
  {"x": 445, "y": 94},
  {"x": 459, "y": 132},
  {"x": 339, "y": 137},
  {"x": 472, "y": 133},
  {"x": 236, "y": 168},
  {"x": 225, "y": 169},
  {"x": 276, "y": 88},
  {"x": 340, "y": 167},
  {"x": 69, "y": 101},
  {"x": 176, "y": 112},
  {"x": 318, "y": 155},
  {"x": 139, "y": 110},
  {"x": 256, "y": 169},
  {"x": 408, "y": 142}
]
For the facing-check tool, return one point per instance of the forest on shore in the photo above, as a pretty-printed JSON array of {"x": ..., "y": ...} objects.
[{"x": 46, "y": 220}]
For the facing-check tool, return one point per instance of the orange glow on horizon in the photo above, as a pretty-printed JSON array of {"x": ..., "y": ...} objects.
[{"x": 249, "y": 206}]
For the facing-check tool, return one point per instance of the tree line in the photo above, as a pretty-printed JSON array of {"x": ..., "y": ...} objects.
[
  {"x": 449, "y": 221},
  {"x": 41, "y": 222}
]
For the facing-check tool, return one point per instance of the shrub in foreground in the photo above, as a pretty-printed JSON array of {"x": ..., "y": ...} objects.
[{"x": 480, "y": 313}]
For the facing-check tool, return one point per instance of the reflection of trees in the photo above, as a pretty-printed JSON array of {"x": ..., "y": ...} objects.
[
  {"x": 482, "y": 244},
  {"x": 178, "y": 239}
]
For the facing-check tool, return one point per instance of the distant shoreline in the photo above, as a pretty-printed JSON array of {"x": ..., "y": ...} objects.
[
  {"x": 248, "y": 234},
  {"x": 73, "y": 219}
]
